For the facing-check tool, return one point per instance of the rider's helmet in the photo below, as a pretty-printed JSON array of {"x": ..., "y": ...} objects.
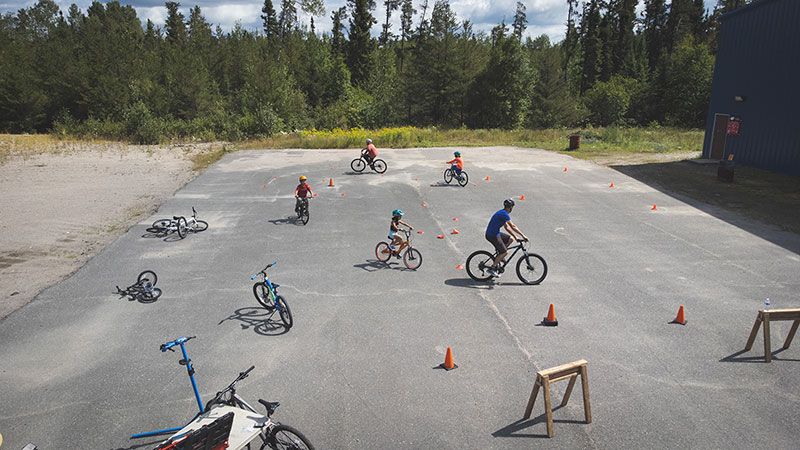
[
  {"x": 397, "y": 213},
  {"x": 457, "y": 154},
  {"x": 303, "y": 178},
  {"x": 508, "y": 203},
  {"x": 369, "y": 141}
]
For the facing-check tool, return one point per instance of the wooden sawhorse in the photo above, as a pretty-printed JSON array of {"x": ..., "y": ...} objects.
[
  {"x": 547, "y": 376},
  {"x": 767, "y": 317}
]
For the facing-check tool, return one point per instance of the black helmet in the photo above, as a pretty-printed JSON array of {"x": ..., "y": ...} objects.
[{"x": 508, "y": 203}]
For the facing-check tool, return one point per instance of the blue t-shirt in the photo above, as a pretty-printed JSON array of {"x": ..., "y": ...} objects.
[{"x": 498, "y": 220}]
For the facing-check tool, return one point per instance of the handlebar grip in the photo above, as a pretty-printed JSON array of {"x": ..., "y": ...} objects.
[
  {"x": 246, "y": 372},
  {"x": 254, "y": 277}
]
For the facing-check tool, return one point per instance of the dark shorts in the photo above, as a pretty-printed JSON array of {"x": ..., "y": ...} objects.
[{"x": 500, "y": 242}]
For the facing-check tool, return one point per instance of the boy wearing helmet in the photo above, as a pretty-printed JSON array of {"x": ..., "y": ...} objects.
[
  {"x": 303, "y": 190},
  {"x": 499, "y": 240},
  {"x": 394, "y": 227},
  {"x": 457, "y": 164},
  {"x": 370, "y": 152}
]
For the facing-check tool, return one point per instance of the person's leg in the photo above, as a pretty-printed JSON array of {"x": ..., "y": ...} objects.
[
  {"x": 297, "y": 205},
  {"x": 502, "y": 248}
]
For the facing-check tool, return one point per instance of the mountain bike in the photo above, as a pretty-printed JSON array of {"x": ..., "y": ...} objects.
[
  {"x": 531, "y": 268},
  {"x": 360, "y": 163},
  {"x": 242, "y": 423},
  {"x": 462, "y": 179},
  {"x": 412, "y": 258},
  {"x": 266, "y": 293},
  {"x": 144, "y": 289},
  {"x": 180, "y": 224},
  {"x": 302, "y": 211}
]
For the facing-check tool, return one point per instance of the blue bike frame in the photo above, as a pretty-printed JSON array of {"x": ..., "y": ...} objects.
[
  {"x": 190, "y": 371},
  {"x": 269, "y": 284}
]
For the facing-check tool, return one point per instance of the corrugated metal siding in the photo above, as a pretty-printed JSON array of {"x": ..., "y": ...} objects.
[{"x": 759, "y": 57}]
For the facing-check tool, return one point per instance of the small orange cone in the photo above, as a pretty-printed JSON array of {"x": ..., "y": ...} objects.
[
  {"x": 654, "y": 207},
  {"x": 355, "y": 176},
  {"x": 455, "y": 231},
  {"x": 612, "y": 185},
  {"x": 475, "y": 185},
  {"x": 343, "y": 194},
  {"x": 550, "y": 320},
  {"x": 455, "y": 218},
  {"x": 315, "y": 195},
  {"x": 487, "y": 178},
  {"x": 565, "y": 169},
  {"x": 448, "y": 363},
  {"x": 523, "y": 197},
  {"x": 416, "y": 179},
  {"x": 680, "y": 318},
  {"x": 459, "y": 267},
  {"x": 420, "y": 232},
  {"x": 330, "y": 184},
  {"x": 265, "y": 185},
  {"x": 423, "y": 204},
  {"x": 441, "y": 236}
]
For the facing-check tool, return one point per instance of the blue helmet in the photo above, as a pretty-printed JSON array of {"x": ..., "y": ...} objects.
[
  {"x": 369, "y": 141},
  {"x": 457, "y": 154},
  {"x": 397, "y": 213}
]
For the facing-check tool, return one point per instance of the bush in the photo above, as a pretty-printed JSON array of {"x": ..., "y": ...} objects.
[
  {"x": 141, "y": 126},
  {"x": 263, "y": 122},
  {"x": 608, "y": 102}
]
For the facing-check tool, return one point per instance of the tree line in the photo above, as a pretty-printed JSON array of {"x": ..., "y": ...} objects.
[{"x": 105, "y": 73}]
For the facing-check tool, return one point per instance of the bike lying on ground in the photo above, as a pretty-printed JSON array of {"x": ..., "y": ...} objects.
[
  {"x": 144, "y": 289},
  {"x": 180, "y": 224},
  {"x": 412, "y": 258},
  {"x": 360, "y": 163},
  {"x": 302, "y": 211},
  {"x": 266, "y": 293},
  {"x": 462, "y": 179},
  {"x": 227, "y": 418},
  {"x": 531, "y": 268}
]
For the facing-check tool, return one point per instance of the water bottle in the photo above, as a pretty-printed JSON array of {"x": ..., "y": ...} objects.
[{"x": 766, "y": 304}]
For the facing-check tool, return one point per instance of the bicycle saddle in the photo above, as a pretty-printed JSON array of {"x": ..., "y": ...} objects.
[
  {"x": 275, "y": 285},
  {"x": 271, "y": 406},
  {"x": 175, "y": 217}
]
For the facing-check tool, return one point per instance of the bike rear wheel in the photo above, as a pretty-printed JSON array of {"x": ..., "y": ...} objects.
[
  {"x": 448, "y": 175},
  {"x": 182, "y": 228},
  {"x": 150, "y": 296},
  {"x": 285, "y": 312},
  {"x": 464, "y": 179},
  {"x": 379, "y": 165},
  {"x": 147, "y": 275},
  {"x": 412, "y": 258},
  {"x": 478, "y": 264},
  {"x": 263, "y": 295},
  {"x": 531, "y": 269},
  {"x": 285, "y": 437},
  {"x": 382, "y": 252},
  {"x": 161, "y": 224},
  {"x": 358, "y": 165},
  {"x": 201, "y": 225},
  {"x": 304, "y": 215}
]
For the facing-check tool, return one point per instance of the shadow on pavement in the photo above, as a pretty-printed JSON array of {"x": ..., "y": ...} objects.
[
  {"x": 511, "y": 430},
  {"x": 754, "y": 359},
  {"x": 470, "y": 283},
  {"x": 291, "y": 220},
  {"x": 166, "y": 235},
  {"x": 374, "y": 265},
  {"x": 259, "y": 319},
  {"x": 149, "y": 444}
]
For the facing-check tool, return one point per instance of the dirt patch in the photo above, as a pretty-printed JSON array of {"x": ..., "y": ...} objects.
[{"x": 61, "y": 204}]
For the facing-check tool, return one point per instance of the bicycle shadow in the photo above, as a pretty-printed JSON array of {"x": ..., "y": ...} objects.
[
  {"x": 166, "y": 236},
  {"x": 291, "y": 220},
  {"x": 470, "y": 283},
  {"x": 131, "y": 297},
  {"x": 365, "y": 172},
  {"x": 259, "y": 319},
  {"x": 374, "y": 265},
  {"x": 443, "y": 184}
]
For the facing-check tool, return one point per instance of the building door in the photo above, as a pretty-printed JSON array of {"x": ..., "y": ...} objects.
[{"x": 719, "y": 135}]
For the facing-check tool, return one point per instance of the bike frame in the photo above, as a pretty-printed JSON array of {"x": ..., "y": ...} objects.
[
  {"x": 516, "y": 248},
  {"x": 190, "y": 371},
  {"x": 269, "y": 286}
]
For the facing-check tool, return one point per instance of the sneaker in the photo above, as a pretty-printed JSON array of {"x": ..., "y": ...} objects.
[
  {"x": 391, "y": 247},
  {"x": 493, "y": 273}
]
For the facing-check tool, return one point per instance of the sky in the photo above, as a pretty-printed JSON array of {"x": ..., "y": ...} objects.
[{"x": 544, "y": 16}]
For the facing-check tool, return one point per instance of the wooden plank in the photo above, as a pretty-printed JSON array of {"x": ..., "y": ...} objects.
[
  {"x": 569, "y": 389},
  {"x": 767, "y": 346},
  {"x": 574, "y": 373},
  {"x": 531, "y": 400},
  {"x": 548, "y": 407},
  {"x": 753, "y": 333},
  {"x": 554, "y": 371},
  {"x": 791, "y": 334},
  {"x": 784, "y": 314},
  {"x": 587, "y": 404}
]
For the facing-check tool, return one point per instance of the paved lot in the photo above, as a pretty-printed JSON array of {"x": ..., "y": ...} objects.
[{"x": 80, "y": 367}]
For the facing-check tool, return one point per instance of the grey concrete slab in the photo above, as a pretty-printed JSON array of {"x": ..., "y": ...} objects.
[{"x": 80, "y": 367}]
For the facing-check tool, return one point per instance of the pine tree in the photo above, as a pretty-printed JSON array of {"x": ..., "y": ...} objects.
[
  {"x": 623, "y": 57},
  {"x": 176, "y": 29},
  {"x": 287, "y": 18},
  {"x": 591, "y": 44},
  {"x": 520, "y": 21},
  {"x": 655, "y": 31},
  {"x": 270, "y": 20},
  {"x": 390, "y": 5},
  {"x": 361, "y": 44},
  {"x": 406, "y": 17},
  {"x": 337, "y": 36}
]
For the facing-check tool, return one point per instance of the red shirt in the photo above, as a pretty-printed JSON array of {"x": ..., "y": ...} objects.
[
  {"x": 373, "y": 152},
  {"x": 302, "y": 190},
  {"x": 458, "y": 161}
]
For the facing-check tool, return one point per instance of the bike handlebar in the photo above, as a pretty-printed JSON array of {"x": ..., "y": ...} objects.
[
  {"x": 264, "y": 270},
  {"x": 179, "y": 341}
]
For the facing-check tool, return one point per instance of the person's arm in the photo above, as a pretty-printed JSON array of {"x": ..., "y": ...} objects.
[
  {"x": 297, "y": 193},
  {"x": 409, "y": 226},
  {"x": 451, "y": 161},
  {"x": 310, "y": 194},
  {"x": 511, "y": 228}
]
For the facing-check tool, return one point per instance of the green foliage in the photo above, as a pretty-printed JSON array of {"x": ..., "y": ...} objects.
[
  {"x": 608, "y": 102},
  {"x": 688, "y": 86}
]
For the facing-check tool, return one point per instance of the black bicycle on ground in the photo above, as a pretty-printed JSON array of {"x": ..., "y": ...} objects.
[
  {"x": 531, "y": 268},
  {"x": 144, "y": 289}
]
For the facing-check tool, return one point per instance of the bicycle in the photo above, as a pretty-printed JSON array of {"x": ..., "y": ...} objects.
[
  {"x": 144, "y": 289},
  {"x": 266, "y": 293},
  {"x": 302, "y": 213},
  {"x": 360, "y": 163},
  {"x": 462, "y": 179},
  {"x": 412, "y": 258},
  {"x": 180, "y": 224},
  {"x": 224, "y": 410},
  {"x": 531, "y": 268}
]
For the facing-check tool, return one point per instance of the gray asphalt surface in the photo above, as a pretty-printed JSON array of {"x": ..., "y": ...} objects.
[{"x": 80, "y": 367}]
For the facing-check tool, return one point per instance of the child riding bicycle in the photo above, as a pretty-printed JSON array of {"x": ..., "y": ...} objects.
[
  {"x": 302, "y": 191},
  {"x": 394, "y": 227},
  {"x": 370, "y": 153},
  {"x": 457, "y": 164}
]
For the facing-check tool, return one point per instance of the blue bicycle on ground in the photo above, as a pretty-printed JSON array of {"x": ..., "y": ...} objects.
[{"x": 267, "y": 295}]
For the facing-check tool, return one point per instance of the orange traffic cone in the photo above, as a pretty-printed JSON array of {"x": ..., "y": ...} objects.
[
  {"x": 680, "y": 318},
  {"x": 455, "y": 218},
  {"x": 487, "y": 178},
  {"x": 455, "y": 231},
  {"x": 441, "y": 236},
  {"x": 654, "y": 207},
  {"x": 265, "y": 185},
  {"x": 343, "y": 194},
  {"x": 550, "y": 320},
  {"x": 423, "y": 204},
  {"x": 565, "y": 169},
  {"x": 611, "y": 185},
  {"x": 459, "y": 267},
  {"x": 523, "y": 197},
  {"x": 331, "y": 182},
  {"x": 448, "y": 363}
]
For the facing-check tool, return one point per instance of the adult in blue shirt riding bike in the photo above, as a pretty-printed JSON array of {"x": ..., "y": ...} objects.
[{"x": 501, "y": 240}]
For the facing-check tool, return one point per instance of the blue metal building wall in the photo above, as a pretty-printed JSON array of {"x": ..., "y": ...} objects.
[{"x": 758, "y": 57}]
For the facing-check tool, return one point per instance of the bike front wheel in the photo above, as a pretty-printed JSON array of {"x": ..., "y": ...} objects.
[
  {"x": 150, "y": 296},
  {"x": 285, "y": 312},
  {"x": 304, "y": 215},
  {"x": 358, "y": 165},
  {"x": 263, "y": 295},
  {"x": 285, "y": 437},
  {"x": 382, "y": 252},
  {"x": 182, "y": 228},
  {"x": 161, "y": 224},
  {"x": 147, "y": 276},
  {"x": 478, "y": 265},
  {"x": 448, "y": 175},
  {"x": 463, "y": 179},
  {"x": 531, "y": 269},
  {"x": 412, "y": 258},
  {"x": 201, "y": 225},
  {"x": 379, "y": 165}
]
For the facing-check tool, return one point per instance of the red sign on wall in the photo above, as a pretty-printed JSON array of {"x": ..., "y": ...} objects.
[{"x": 733, "y": 127}]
